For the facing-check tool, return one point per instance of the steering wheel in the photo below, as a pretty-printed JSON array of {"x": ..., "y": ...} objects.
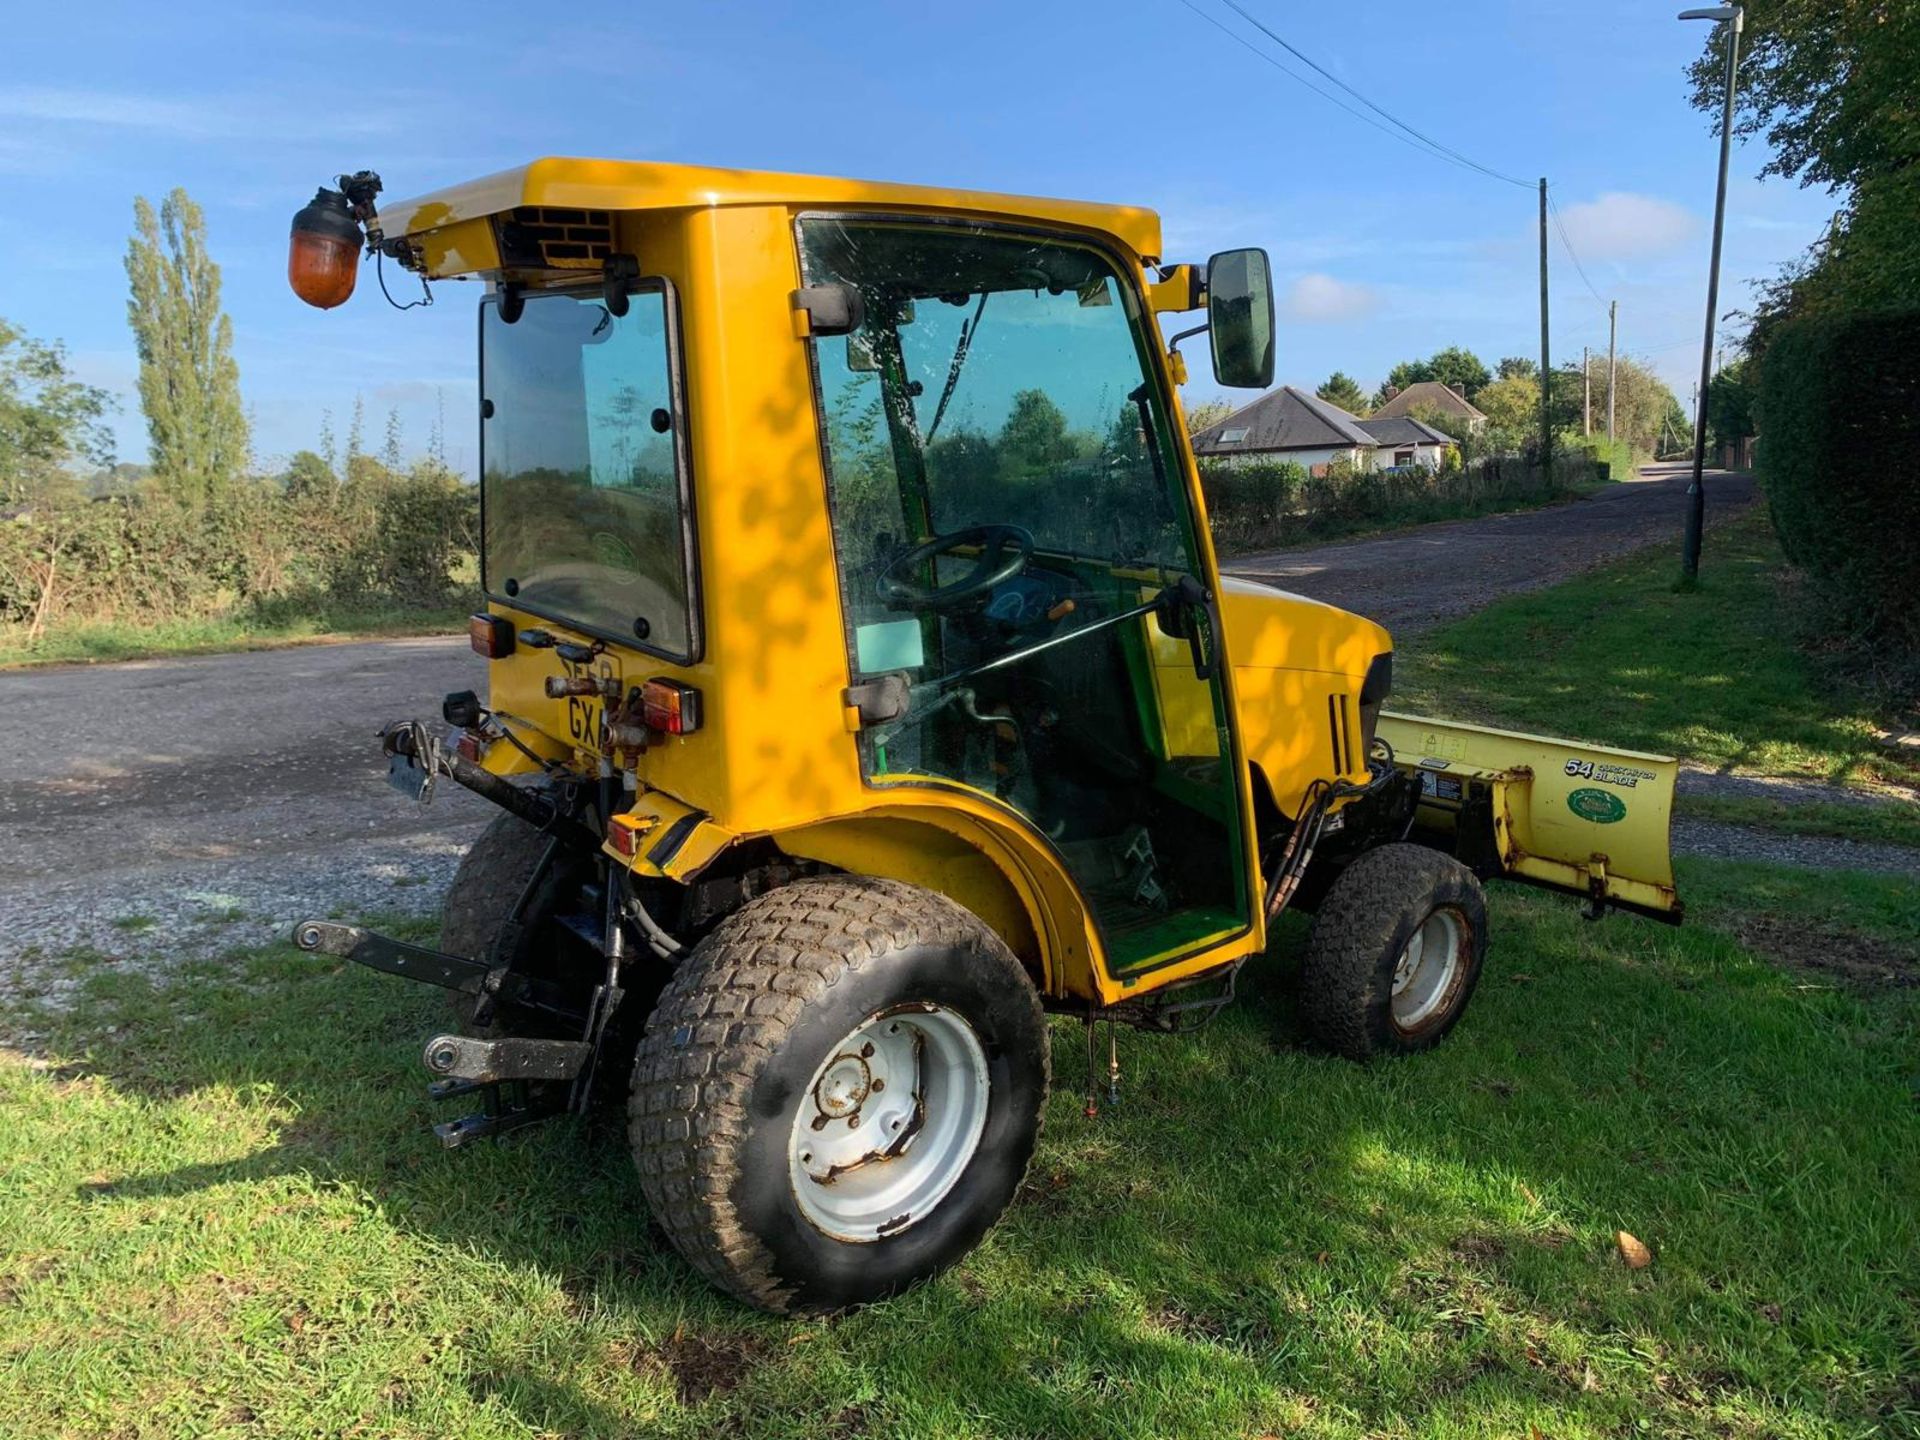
[{"x": 1004, "y": 553}]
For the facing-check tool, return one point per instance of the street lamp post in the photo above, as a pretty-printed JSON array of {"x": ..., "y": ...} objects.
[{"x": 1696, "y": 493}]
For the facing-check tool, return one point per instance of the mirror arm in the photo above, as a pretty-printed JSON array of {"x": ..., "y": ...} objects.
[{"x": 1173, "y": 345}]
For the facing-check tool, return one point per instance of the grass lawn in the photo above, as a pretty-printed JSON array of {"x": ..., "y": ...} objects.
[
  {"x": 1717, "y": 677},
  {"x": 223, "y": 1217},
  {"x": 113, "y": 640}
]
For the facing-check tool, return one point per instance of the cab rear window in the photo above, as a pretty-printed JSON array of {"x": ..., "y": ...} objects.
[{"x": 584, "y": 496}]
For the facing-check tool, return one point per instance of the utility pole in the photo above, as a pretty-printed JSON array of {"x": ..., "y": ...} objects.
[
  {"x": 1613, "y": 310},
  {"x": 1546, "y": 361},
  {"x": 1586, "y": 394},
  {"x": 1734, "y": 18}
]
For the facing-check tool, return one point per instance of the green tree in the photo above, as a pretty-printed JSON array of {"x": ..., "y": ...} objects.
[
  {"x": 1035, "y": 436},
  {"x": 1454, "y": 366},
  {"x": 1461, "y": 369},
  {"x": 1517, "y": 367},
  {"x": 390, "y": 449},
  {"x": 1730, "y": 403},
  {"x": 308, "y": 476},
  {"x": 1343, "y": 390},
  {"x": 189, "y": 383},
  {"x": 48, "y": 419},
  {"x": 1207, "y": 414},
  {"x": 1832, "y": 88},
  {"x": 1831, "y": 85}
]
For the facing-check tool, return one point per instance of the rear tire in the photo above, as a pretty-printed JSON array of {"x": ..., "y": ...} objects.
[
  {"x": 1394, "y": 954},
  {"x": 779, "y": 1034},
  {"x": 485, "y": 887}
]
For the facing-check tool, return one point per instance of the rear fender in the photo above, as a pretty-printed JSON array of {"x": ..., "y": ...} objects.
[{"x": 1583, "y": 819}]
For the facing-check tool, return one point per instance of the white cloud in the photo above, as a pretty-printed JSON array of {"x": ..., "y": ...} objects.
[
  {"x": 1321, "y": 298},
  {"x": 1624, "y": 226},
  {"x": 258, "y": 117}
]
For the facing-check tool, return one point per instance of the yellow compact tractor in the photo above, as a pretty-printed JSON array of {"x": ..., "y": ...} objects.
[{"x": 863, "y": 687}]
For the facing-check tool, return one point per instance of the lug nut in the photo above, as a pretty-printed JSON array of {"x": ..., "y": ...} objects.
[
  {"x": 820, "y": 1121},
  {"x": 878, "y": 1083},
  {"x": 853, "y": 1122},
  {"x": 866, "y": 1051}
]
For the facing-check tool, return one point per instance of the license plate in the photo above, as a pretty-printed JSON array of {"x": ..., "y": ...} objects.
[{"x": 583, "y": 720}]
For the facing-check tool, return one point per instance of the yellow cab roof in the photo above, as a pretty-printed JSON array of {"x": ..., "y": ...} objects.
[{"x": 567, "y": 182}]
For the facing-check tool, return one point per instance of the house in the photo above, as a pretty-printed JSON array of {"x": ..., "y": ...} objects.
[
  {"x": 1297, "y": 425},
  {"x": 1403, "y": 440},
  {"x": 1437, "y": 399}
]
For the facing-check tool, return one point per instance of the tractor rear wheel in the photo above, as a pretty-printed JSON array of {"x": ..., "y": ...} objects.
[
  {"x": 838, "y": 1093},
  {"x": 1394, "y": 953},
  {"x": 480, "y": 900}
]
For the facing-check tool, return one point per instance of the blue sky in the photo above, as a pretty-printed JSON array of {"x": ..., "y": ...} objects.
[{"x": 1381, "y": 252}]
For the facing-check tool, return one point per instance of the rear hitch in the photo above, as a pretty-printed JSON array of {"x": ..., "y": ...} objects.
[
  {"x": 393, "y": 957},
  {"x": 514, "y": 1076},
  {"x": 519, "y": 1079},
  {"x": 415, "y": 758}
]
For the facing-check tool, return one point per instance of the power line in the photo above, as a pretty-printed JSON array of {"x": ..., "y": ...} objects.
[
  {"x": 1260, "y": 54},
  {"x": 1444, "y": 151},
  {"x": 1566, "y": 241}
]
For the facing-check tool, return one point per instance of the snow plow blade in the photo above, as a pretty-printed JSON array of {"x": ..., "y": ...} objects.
[{"x": 1579, "y": 818}]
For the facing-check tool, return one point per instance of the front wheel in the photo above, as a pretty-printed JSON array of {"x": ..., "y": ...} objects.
[
  {"x": 838, "y": 1093},
  {"x": 1394, "y": 953}
]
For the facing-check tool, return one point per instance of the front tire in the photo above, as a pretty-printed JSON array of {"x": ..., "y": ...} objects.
[
  {"x": 838, "y": 1093},
  {"x": 1394, "y": 954}
]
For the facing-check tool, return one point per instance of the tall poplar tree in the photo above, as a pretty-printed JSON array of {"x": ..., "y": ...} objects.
[{"x": 189, "y": 383}]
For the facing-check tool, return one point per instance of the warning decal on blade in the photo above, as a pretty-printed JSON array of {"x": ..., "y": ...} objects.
[{"x": 1439, "y": 787}]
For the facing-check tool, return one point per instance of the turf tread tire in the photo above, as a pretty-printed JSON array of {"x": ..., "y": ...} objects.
[
  {"x": 724, "y": 1016},
  {"x": 1361, "y": 926}
]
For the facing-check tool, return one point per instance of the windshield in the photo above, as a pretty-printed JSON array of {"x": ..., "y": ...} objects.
[
  {"x": 582, "y": 481},
  {"x": 993, "y": 381}
]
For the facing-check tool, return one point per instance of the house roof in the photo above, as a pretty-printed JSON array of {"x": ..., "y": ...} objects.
[
  {"x": 1403, "y": 430},
  {"x": 1283, "y": 419},
  {"x": 1429, "y": 395}
]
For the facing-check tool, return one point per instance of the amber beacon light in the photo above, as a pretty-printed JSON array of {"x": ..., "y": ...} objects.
[{"x": 323, "y": 253}]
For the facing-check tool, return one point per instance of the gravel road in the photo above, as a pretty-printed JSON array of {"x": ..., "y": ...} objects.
[
  {"x": 1417, "y": 579},
  {"x": 192, "y": 805},
  {"x": 175, "y": 807}
]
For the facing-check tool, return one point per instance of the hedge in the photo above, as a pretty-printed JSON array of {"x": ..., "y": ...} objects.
[
  {"x": 1257, "y": 505},
  {"x": 1839, "y": 411}
]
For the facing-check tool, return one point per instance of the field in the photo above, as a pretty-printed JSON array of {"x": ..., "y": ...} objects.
[{"x": 224, "y": 1218}]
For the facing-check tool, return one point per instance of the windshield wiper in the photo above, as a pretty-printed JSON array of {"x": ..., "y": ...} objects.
[{"x": 968, "y": 329}]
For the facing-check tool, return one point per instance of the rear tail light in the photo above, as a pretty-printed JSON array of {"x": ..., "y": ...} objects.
[
  {"x": 624, "y": 833},
  {"x": 490, "y": 636},
  {"x": 669, "y": 708}
]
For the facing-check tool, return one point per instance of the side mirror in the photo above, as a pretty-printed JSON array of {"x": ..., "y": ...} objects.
[{"x": 1240, "y": 318}]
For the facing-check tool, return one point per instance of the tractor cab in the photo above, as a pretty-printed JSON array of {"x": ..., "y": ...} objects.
[{"x": 863, "y": 685}]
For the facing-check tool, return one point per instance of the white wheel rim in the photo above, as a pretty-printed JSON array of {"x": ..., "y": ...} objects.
[
  {"x": 889, "y": 1122},
  {"x": 1425, "y": 976}
]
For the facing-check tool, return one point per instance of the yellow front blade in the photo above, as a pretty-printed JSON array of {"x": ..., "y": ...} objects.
[{"x": 1585, "y": 819}]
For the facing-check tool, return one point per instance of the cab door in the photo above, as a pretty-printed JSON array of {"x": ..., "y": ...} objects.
[{"x": 1012, "y": 533}]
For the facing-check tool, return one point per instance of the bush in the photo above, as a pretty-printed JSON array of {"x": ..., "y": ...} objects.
[
  {"x": 384, "y": 539},
  {"x": 1839, "y": 408},
  {"x": 1256, "y": 505},
  {"x": 1248, "y": 504}
]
